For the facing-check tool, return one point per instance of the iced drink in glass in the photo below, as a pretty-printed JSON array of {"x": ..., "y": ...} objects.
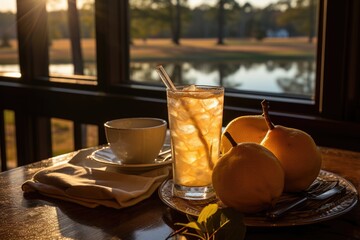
[{"x": 195, "y": 120}]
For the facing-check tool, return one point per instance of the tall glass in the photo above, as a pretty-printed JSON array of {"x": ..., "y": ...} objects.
[{"x": 195, "y": 120}]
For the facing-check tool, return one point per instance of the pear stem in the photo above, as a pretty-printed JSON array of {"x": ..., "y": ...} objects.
[
  {"x": 265, "y": 108},
  {"x": 230, "y": 138}
]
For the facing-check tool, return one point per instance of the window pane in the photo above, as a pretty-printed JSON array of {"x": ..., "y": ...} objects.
[
  {"x": 71, "y": 37},
  {"x": 62, "y": 135},
  {"x": 10, "y": 139},
  {"x": 257, "y": 46},
  {"x": 9, "y": 62},
  {"x": 92, "y": 138}
]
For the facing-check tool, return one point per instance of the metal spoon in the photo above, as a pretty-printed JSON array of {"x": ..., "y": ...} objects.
[
  {"x": 276, "y": 213},
  {"x": 164, "y": 156}
]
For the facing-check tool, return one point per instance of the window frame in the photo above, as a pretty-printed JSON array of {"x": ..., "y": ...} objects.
[
  {"x": 332, "y": 118},
  {"x": 112, "y": 47}
]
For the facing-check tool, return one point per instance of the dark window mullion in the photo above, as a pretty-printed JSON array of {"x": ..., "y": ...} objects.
[
  {"x": 25, "y": 140},
  {"x": 2, "y": 142},
  {"x": 101, "y": 133},
  {"x": 80, "y": 135},
  {"x": 112, "y": 42},
  {"x": 32, "y": 132},
  {"x": 43, "y": 145},
  {"x": 321, "y": 13},
  {"x": 352, "y": 107},
  {"x": 32, "y": 39},
  {"x": 75, "y": 38},
  {"x": 335, "y": 59},
  {"x": 124, "y": 38}
]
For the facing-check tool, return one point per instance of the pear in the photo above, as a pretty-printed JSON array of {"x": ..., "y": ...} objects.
[
  {"x": 247, "y": 128},
  {"x": 248, "y": 178},
  {"x": 296, "y": 150}
]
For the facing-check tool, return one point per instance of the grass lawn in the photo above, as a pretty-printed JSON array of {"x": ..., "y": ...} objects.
[
  {"x": 188, "y": 50},
  {"x": 233, "y": 49}
]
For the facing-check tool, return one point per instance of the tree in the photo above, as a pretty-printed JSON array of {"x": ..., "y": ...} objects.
[
  {"x": 150, "y": 18},
  {"x": 5, "y": 43},
  {"x": 221, "y": 22},
  {"x": 299, "y": 20},
  {"x": 312, "y": 13},
  {"x": 87, "y": 13},
  {"x": 176, "y": 22},
  {"x": 7, "y": 28},
  {"x": 75, "y": 38}
]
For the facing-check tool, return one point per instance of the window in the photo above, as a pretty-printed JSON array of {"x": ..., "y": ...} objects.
[
  {"x": 316, "y": 76},
  {"x": 71, "y": 32},
  {"x": 62, "y": 132},
  {"x": 250, "y": 46},
  {"x": 9, "y": 62}
]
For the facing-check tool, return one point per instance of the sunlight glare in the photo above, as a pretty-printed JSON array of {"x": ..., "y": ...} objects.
[{"x": 55, "y": 5}]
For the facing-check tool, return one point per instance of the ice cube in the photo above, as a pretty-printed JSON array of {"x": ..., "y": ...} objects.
[
  {"x": 190, "y": 88},
  {"x": 189, "y": 158},
  {"x": 203, "y": 116},
  {"x": 187, "y": 129},
  {"x": 194, "y": 142},
  {"x": 210, "y": 103}
]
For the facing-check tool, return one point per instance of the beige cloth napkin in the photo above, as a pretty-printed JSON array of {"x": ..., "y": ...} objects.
[{"x": 86, "y": 182}]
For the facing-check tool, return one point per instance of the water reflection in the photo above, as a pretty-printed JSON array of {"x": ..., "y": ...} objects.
[{"x": 295, "y": 78}]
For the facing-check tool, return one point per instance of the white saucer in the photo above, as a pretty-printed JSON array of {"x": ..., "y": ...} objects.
[{"x": 107, "y": 157}]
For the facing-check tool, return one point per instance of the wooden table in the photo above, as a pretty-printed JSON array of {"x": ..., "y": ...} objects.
[{"x": 33, "y": 216}]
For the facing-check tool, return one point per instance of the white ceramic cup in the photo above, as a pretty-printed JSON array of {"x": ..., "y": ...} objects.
[{"x": 136, "y": 140}]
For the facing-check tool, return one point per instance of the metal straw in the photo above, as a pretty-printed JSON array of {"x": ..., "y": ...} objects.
[{"x": 165, "y": 77}]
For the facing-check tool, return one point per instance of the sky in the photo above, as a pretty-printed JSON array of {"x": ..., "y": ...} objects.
[
  {"x": 7, "y": 5},
  {"x": 10, "y": 5}
]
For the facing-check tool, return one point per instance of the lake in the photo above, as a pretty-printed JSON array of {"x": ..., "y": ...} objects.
[{"x": 295, "y": 78}]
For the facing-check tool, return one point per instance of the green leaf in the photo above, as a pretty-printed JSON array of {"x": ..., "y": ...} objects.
[
  {"x": 200, "y": 227},
  {"x": 193, "y": 225},
  {"x": 216, "y": 223},
  {"x": 207, "y": 212}
]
